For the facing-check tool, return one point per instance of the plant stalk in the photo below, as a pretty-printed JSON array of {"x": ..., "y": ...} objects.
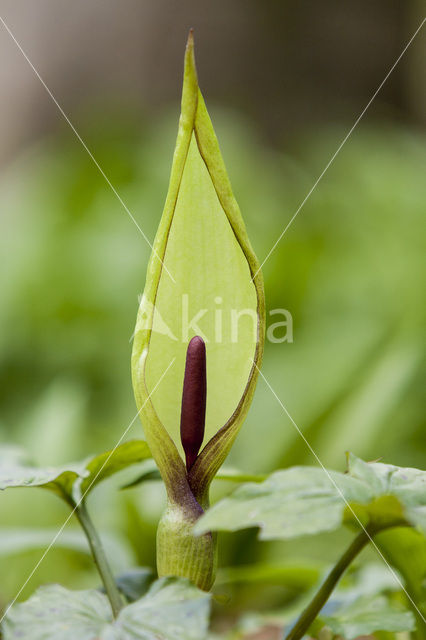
[
  {"x": 100, "y": 558},
  {"x": 314, "y": 607},
  {"x": 179, "y": 551}
]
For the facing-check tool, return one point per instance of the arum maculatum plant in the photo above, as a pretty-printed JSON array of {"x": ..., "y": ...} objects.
[
  {"x": 197, "y": 351},
  {"x": 199, "y": 336}
]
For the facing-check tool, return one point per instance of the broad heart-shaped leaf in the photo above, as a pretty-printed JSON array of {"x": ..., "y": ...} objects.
[
  {"x": 70, "y": 481},
  {"x": 173, "y": 609},
  {"x": 364, "y": 616},
  {"x": 203, "y": 279},
  {"x": 308, "y": 500}
]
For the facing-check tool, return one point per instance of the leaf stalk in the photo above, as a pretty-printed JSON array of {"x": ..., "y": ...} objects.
[
  {"x": 100, "y": 558},
  {"x": 309, "y": 614}
]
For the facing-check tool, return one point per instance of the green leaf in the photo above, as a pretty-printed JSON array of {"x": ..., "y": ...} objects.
[
  {"x": 365, "y": 616},
  {"x": 173, "y": 609},
  {"x": 202, "y": 267},
  {"x": 55, "y": 613},
  {"x": 68, "y": 481},
  {"x": 307, "y": 500},
  {"x": 297, "y": 577},
  {"x": 387, "y": 481},
  {"x": 16, "y": 540},
  {"x": 405, "y": 549},
  {"x": 236, "y": 475},
  {"x": 290, "y": 503},
  {"x": 135, "y": 582},
  {"x": 17, "y": 470},
  {"x": 369, "y": 582},
  {"x": 106, "y": 464},
  {"x": 150, "y": 472}
]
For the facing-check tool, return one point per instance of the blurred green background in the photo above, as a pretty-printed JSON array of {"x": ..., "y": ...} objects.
[{"x": 284, "y": 85}]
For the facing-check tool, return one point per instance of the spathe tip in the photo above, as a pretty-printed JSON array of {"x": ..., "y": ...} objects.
[{"x": 190, "y": 40}]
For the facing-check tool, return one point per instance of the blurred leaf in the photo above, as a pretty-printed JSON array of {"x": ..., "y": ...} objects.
[
  {"x": 17, "y": 470},
  {"x": 150, "y": 472},
  {"x": 294, "y": 576},
  {"x": 106, "y": 464},
  {"x": 405, "y": 549},
  {"x": 51, "y": 433},
  {"x": 364, "y": 616},
  {"x": 236, "y": 475},
  {"x": 68, "y": 481},
  {"x": 173, "y": 609},
  {"x": 15, "y": 541},
  {"x": 135, "y": 582},
  {"x": 55, "y": 613},
  {"x": 369, "y": 582},
  {"x": 361, "y": 416},
  {"x": 386, "y": 482},
  {"x": 307, "y": 500}
]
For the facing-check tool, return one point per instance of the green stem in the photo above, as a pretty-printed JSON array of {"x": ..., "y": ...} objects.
[
  {"x": 314, "y": 607},
  {"x": 99, "y": 558}
]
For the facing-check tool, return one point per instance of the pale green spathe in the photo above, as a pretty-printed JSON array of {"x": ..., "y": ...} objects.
[
  {"x": 212, "y": 286},
  {"x": 202, "y": 269}
]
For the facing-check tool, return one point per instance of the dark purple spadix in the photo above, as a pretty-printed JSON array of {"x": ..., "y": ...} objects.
[{"x": 193, "y": 411}]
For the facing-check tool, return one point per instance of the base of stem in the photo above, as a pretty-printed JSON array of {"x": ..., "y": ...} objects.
[{"x": 180, "y": 552}]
